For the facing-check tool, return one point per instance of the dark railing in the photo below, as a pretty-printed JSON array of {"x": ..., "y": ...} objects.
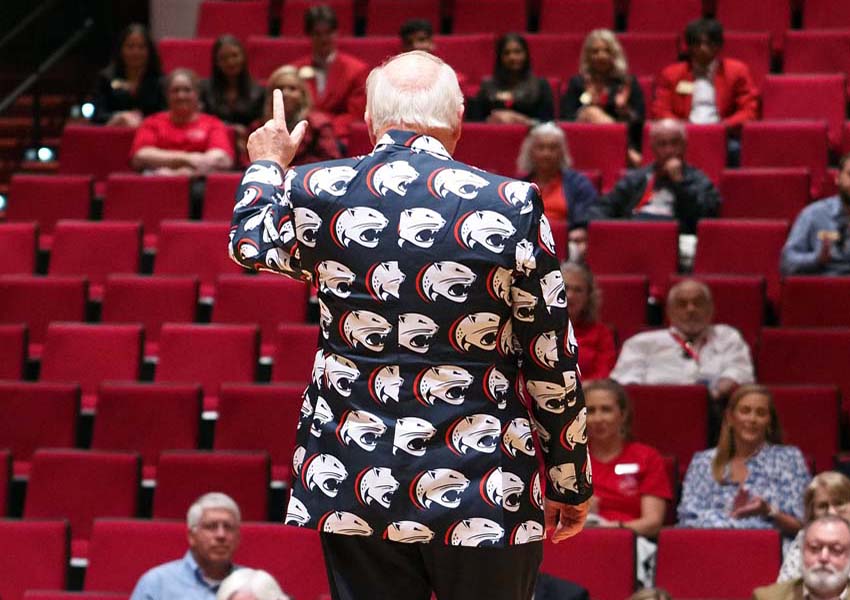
[{"x": 24, "y": 23}]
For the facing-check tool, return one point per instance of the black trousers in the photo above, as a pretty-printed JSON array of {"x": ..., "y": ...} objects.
[{"x": 365, "y": 568}]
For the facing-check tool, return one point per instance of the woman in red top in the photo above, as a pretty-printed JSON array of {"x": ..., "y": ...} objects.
[
  {"x": 182, "y": 140},
  {"x": 597, "y": 355},
  {"x": 630, "y": 484}
]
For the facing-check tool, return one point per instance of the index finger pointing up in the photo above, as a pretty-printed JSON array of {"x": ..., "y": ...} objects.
[{"x": 278, "y": 113}]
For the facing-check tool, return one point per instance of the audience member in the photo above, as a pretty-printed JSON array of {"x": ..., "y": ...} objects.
[
  {"x": 130, "y": 88},
  {"x": 819, "y": 241},
  {"x": 417, "y": 34},
  {"x": 250, "y": 584},
  {"x": 604, "y": 91},
  {"x": 337, "y": 80},
  {"x": 231, "y": 94},
  {"x": 182, "y": 140},
  {"x": 650, "y": 593},
  {"x": 597, "y": 355},
  {"x": 319, "y": 142},
  {"x": 577, "y": 244},
  {"x": 827, "y": 494},
  {"x": 749, "y": 480},
  {"x": 513, "y": 94},
  {"x": 706, "y": 88},
  {"x": 826, "y": 564},
  {"x": 691, "y": 351},
  {"x": 213, "y": 527},
  {"x": 544, "y": 158},
  {"x": 669, "y": 188}
]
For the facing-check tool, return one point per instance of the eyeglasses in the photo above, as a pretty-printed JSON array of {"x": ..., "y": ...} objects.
[{"x": 213, "y": 526}]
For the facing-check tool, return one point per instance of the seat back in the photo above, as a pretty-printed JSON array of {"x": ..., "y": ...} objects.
[
  {"x": 292, "y": 16},
  {"x": 752, "y": 49},
  {"x": 826, "y": 14},
  {"x": 194, "y": 54},
  {"x": 488, "y": 16},
  {"x": 46, "y": 199},
  {"x": 385, "y": 17},
  {"x": 40, "y": 550},
  {"x": 265, "y": 54},
  {"x": 667, "y": 16},
  {"x": 216, "y": 18},
  {"x": 576, "y": 16},
  {"x": 295, "y": 353},
  {"x": 5, "y": 481},
  {"x": 220, "y": 196},
  {"x": 809, "y": 301},
  {"x": 600, "y": 147},
  {"x": 649, "y": 52},
  {"x": 99, "y": 151},
  {"x": 764, "y": 193},
  {"x": 469, "y": 54},
  {"x": 477, "y": 143},
  {"x": 555, "y": 54},
  {"x": 372, "y": 50},
  {"x": 17, "y": 248},
  {"x": 132, "y": 197},
  {"x": 810, "y": 420},
  {"x": 13, "y": 351},
  {"x": 782, "y": 97},
  {"x": 623, "y": 304},
  {"x": 771, "y": 16}
]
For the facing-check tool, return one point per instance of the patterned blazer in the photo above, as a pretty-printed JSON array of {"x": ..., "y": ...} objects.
[{"x": 443, "y": 321}]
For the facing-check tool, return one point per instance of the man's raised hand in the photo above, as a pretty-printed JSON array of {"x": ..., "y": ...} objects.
[{"x": 273, "y": 141}]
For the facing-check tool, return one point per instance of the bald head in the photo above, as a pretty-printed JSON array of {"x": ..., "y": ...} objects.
[
  {"x": 416, "y": 91},
  {"x": 690, "y": 307},
  {"x": 668, "y": 139}
]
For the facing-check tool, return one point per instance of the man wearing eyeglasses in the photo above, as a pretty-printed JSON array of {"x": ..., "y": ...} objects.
[{"x": 213, "y": 531}]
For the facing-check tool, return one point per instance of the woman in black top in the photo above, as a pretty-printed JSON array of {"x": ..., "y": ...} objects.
[
  {"x": 130, "y": 88},
  {"x": 513, "y": 94},
  {"x": 231, "y": 94},
  {"x": 604, "y": 91}
]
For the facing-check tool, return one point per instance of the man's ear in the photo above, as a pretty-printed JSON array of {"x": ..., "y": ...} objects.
[{"x": 368, "y": 118}]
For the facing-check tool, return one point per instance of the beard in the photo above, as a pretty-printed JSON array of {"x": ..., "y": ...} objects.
[{"x": 826, "y": 579}]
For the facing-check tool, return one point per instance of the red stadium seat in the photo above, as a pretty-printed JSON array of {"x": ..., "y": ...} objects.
[
  {"x": 265, "y": 54},
  {"x": 296, "y": 352},
  {"x": 97, "y": 151},
  {"x": 62, "y": 595},
  {"x": 133, "y": 197},
  {"x": 576, "y": 16},
  {"x": 826, "y": 14},
  {"x": 805, "y": 356},
  {"x": 751, "y": 48},
  {"x": 667, "y": 16},
  {"x": 249, "y": 300},
  {"x": 810, "y": 301},
  {"x": 683, "y": 553},
  {"x": 37, "y": 301},
  {"x": 810, "y": 420},
  {"x": 217, "y": 17},
  {"x": 555, "y": 54},
  {"x": 195, "y": 248},
  {"x": 13, "y": 351},
  {"x": 470, "y": 54},
  {"x": 358, "y": 140},
  {"x": 720, "y": 243},
  {"x": 739, "y": 301},
  {"x": 80, "y": 485},
  {"x": 183, "y": 476},
  {"x": 88, "y": 354},
  {"x": 46, "y": 199},
  {"x": 623, "y": 303},
  {"x": 147, "y": 418},
  {"x": 40, "y": 551},
  {"x": 114, "y": 569},
  {"x": 17, "y": 248},
  {"x": 772, "y": 16},
  {"x": 385, "y": 17},
  {"x": 209, "y": 355},
  {"x": 150, "y": 300},
  {"x": 763, "y": 193},
  {"x": 598, "y": 559},
  {"x": 787, "y": 144},
  {"x": 817, "y": 51},
  {"x": 478, "y": 141},
  {"x": 648, "y": 53},
  {"x": 194, "y": 54},
  {"x": 819, "y": 97},
  {"x": 635, "y": 247},
  {"x": 300, "y": 570},
  {"x": 292, "y": 16},
  {"x": 5, "y": 480},
  {"x": 371, "y": 50},
  {"x": 488, "y": 16},
  {"x": 96, "y": 249},
  {"x": 706, "y": 149},
  {"x": 38, "y": 415},
  {"x": 600, "y": 147},
  {"x": 260, "y": 417},
  {"x": 671, "y": 418},
  {"x": 220, "y": 196}
]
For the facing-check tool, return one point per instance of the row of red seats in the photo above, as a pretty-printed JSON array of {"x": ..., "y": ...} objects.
[{"x": 602, "y": 560}]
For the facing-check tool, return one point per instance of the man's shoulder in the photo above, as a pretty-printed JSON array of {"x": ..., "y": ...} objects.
[
  {"x": 823, "y": 206},
  {"x": 639, "y": 340},
  {"x": 727, "y": 331},
  {"x": 162, "y": 571},
  {"x": 350, "y": 61},
  {"x": 635, "y": 176},
  {"x": 787, "y": 590},
  {"x": 734, "y": 67},
  {"x": 676, "y": 70}
]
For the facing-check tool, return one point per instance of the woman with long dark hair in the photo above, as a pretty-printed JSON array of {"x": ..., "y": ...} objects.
[{"x": 231, "y": 94}]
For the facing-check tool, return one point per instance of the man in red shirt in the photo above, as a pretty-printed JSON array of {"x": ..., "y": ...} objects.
[{"x": 182, "y": 140}]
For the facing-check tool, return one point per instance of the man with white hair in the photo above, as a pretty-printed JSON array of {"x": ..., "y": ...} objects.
[
  {"x": 443, "y": 319},
  {"x": 213, "y": 531},
  {"x": 826, "y": 564},
  {"x": 250, "y": 584},
  {"x": 668, "y": 189}
]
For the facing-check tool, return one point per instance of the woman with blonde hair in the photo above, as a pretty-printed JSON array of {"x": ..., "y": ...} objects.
[
  {"x": 604, "y": 91},
  {"x": 750, "y": 480},
  {"x": 828, "y": 493}
]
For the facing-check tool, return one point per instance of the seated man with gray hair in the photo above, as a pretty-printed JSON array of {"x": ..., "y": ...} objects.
[
  {"x": 250, "y": 584},
  {"x": 667, "y": 189},
  {"x": 213, "y": 528}
]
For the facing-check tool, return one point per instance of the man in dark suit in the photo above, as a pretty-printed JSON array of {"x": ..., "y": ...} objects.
[
  {"x": 444, "y": 342},
  {"x": 826, "y": 564}
]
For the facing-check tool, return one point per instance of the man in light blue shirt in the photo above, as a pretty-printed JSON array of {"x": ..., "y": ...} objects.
[
  {"x": 819, "y": 242},
  {"x": 213, "y": 522}
]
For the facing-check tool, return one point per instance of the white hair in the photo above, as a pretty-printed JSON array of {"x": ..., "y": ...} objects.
[
  {"x": 548, "y": 129},
  {"x": 260, "y": 584},
  {"x": 212, "y": 500},
  {"x": 419, "y": 99}
]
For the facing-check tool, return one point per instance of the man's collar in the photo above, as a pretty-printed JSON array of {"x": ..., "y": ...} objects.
[
  {"x": 417, "y": 142},
  {"x": 192, "y": 565},
  {"x": 808, "y": 596}
]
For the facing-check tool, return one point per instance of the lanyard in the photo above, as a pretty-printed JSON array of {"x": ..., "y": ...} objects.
[
  {"x": 647, "y": 194},
  {"x": 686, "y": 346}
]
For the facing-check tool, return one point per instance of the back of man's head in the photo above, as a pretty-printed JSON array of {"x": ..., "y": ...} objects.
[{"x": 414, "y": 90}]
